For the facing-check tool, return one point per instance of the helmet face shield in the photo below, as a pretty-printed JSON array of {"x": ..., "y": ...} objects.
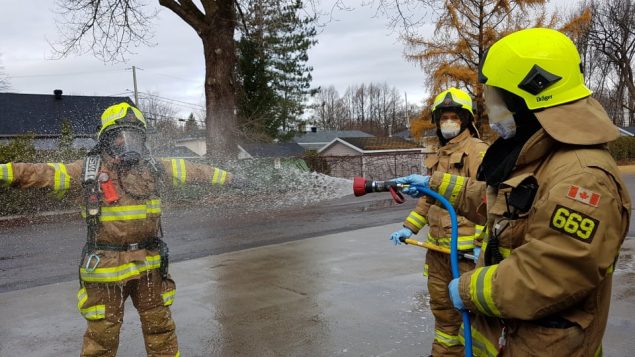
[
  {"x": 125, "y": 143},
  {"x": 501, "y": 119}
]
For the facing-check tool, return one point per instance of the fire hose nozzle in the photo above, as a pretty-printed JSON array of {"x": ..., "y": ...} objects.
[{"x": 362, "y": 186}]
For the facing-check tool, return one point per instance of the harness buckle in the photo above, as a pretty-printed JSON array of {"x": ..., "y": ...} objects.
[
  {"x": 88, "y": 267},
  {"x": 133, "y": 246}
]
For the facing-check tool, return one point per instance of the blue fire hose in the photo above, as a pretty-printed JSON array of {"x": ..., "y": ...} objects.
[{"x": 454, "y": 260}]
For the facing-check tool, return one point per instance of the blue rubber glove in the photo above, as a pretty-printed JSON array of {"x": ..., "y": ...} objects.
[
  {"x": 453, "y": 288},
  {"x": 414, "y": 180},
  {"x": 476, "y": 252},
  {"x": 400, "y": 234}
]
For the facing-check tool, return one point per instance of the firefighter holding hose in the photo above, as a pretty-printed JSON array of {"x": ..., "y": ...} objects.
[{"x": 460, "y": 154}]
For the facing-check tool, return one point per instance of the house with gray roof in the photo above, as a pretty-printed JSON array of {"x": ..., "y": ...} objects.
[
  {"x": 374, "y": 158},
  {"x": 315, "y": 140},
  {"x": 42, "y": 116}
]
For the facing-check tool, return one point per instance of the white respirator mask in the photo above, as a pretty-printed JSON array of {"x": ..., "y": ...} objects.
[
  {"x": 501, "y": 120},
  {"x": 450, "y": 129}
]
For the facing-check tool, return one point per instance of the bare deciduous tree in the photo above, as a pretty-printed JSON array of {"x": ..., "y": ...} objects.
[{"x": 611, "y": 37}]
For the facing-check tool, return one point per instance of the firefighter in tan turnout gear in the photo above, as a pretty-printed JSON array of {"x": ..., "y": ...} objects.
[
  {"x": 461, "y": 153},
  {"x": 124, "y": 255},
  {"x": 552, "y": 197}
]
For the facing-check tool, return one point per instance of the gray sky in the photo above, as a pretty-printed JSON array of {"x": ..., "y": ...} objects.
[{"x": 355, "y": 47}]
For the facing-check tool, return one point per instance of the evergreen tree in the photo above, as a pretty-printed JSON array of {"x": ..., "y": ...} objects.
[{"x": 273, "y": 68}]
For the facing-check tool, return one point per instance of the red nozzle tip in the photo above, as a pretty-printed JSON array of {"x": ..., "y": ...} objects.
[{"x": 359, "y": 186}]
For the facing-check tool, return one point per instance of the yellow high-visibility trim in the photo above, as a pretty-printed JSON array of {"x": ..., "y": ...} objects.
[
  {"x": 445, "y": 339},
  {"x": 416, "y": 220},
  {"x": 179, "y": 173},
  {"x": 178, "y": 354},
  {"x": 598, "y": 352},
  {"x": 505, "y": 252},
  {"x": 121, "y": 272},
  {"x": 6, "y": 173},
  {"x": 481, "y": 346},
  {"x": 458, "y": 186},
  {"x": 223, "y": 177},
  {"x": 445, "y": 181},
  {"x": 464, "y": 243},
  {"x": 153, "y": 206},
  {"x": 168, "y": 297},
  {"x": 96, "y": 312},
  {"x": 481, "y": 292},
  {"x": 128, "y": 213},
  {"x": 62, "y": 180}
]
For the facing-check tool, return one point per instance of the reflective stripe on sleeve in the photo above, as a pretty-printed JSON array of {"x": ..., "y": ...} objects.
[
  {"x": 178, "y": 172},
  {"x": 121, "y": 272},
  {"x": 416, "y": 220},
  {"x": 153, "y": 206},
  {"x": 481, "y": 290},
  {"x": 6, "y": 173},
  {"x": 464, "y": 243},
  {"x": 445, "y": 339},
  {"x": 96, "y": 312},
  {"x": 219, "y": 176},
  {"x": 62, "y": 180},
  {"x": 450, "y": 186},
  {"x": 168, "y": 297}
]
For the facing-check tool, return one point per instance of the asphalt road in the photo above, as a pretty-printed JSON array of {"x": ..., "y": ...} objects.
[{"x": 33, "y": 254}]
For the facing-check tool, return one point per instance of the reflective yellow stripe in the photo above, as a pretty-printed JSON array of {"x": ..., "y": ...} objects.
[
  {"x": 178, "y": 354},
  {"x": 96, "y": 312},
  {"x": 464, "y": 243},
  {"x": 451, "y": 186},
  {"x": 62, "y": 180},
  {"x": 178, "y": 172},
  {"x": 6, "y": 173},
  {"x": 416, "y": 220},
  {"x": 168, "y": 297},
  {"x": 481, "y": 346},
  {"x": 153, "y": 206},
  {"x": 121, "y": 272},
  {"x": 445, "y": 339},
  {"x": 128, "y": 213},
  {"x": 219, "y": 176},
  {"x": 598, "y": 352},
  {"x": 481, "y": 290},
  {"x": 505, "y": 252},
  {"x": 425, "y": 270}
]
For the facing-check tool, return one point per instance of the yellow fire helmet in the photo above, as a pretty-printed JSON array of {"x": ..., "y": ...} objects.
[
  {"x": 452, "y": 98},
  {"x": 121, "y": 114},
  {"x": 542, "y": 66}
]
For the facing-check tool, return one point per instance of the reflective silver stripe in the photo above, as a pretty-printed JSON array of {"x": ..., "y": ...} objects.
[
  {"x": 62, "y": 180},
  {"x": 448, "y": 192},
  {"x": 168, "y": 297},
  {"x": 121, "y": 272},
  {"x": 219, "y": 176},
  {"x": 178, "y": 172},
  {"x": 6, "y": 173},
  {"x": 153, "y": 206},
  {"x": 416, "y": 220},
  {"x": 446, "y": 339}
]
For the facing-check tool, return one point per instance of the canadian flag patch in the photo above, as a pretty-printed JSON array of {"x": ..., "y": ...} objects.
[{"x": 583, "y": 195}]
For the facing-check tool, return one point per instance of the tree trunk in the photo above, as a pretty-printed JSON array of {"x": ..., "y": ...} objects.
[{"x": 220, "y": 59}]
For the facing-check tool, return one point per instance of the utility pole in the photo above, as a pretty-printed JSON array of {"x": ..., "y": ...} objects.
[
  {"x": 407, "y": 114},
  {"x": 134, "y": 80}
]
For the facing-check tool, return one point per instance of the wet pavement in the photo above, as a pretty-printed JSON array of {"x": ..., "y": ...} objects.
[{"x": 346, "y": 294}]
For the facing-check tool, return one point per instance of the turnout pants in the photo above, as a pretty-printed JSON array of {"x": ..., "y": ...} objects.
[
  {"x": 103, "y": 307},
  {"x": 447, "y": 320}
]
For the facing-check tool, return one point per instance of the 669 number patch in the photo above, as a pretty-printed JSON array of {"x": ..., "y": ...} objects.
[{"x": 574, "y": 224}]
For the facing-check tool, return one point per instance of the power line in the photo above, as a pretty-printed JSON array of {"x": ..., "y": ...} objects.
[
  {"x": 64, "y": 74},
  {"x": 198, "y": 106}
]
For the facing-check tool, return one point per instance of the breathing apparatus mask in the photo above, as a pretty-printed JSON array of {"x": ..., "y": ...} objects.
[{"x": 126, "y": 144}]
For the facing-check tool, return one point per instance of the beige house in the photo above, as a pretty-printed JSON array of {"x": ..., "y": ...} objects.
[{"x": 374, "y": 158}]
